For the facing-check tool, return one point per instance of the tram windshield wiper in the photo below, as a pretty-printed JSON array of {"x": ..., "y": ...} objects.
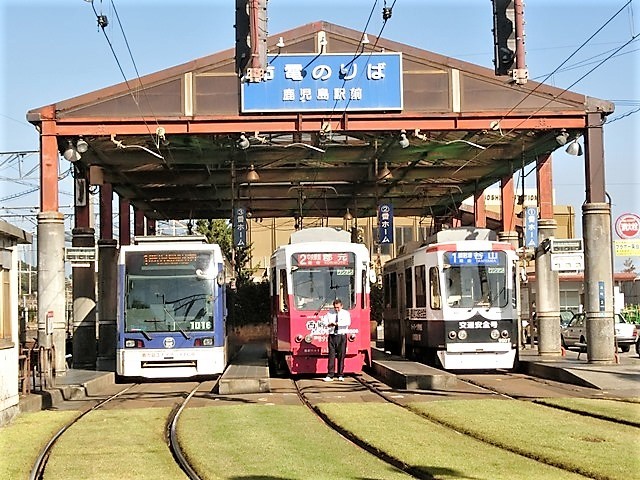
[
  {"x": 184, "y": 334},
  {"x": 143, "y": 332}
]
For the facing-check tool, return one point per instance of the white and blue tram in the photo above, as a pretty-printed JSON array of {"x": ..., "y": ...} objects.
[
  {"x": 172, "y": 310},
  {"x": 452, "y": 301}
]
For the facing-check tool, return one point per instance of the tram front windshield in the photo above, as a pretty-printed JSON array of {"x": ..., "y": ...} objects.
[
  {"x": 316, "y": 284},
  {"x": 169, "y": 292},
  {"x": 475, "y": 279}
]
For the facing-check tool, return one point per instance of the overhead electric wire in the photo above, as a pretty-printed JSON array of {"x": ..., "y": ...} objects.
[
  {"x": 126, "y": 81},
  {"x": 555, "y": 97}
]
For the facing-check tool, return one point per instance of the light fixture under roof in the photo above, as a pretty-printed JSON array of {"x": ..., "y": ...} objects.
[
  {"x": 563, "y": 137},
  {"x": 385, "y": 173},
  {"x": 71, "y": 153},
  {"x": 574, "y": 148},
  {"x": 252, "y": 175},
  {"x": 404, "y": 141},
  {"x": 243, "y": 142},
  {"x": 347, "y": 216},
  {"x": 81, "y": 145}
]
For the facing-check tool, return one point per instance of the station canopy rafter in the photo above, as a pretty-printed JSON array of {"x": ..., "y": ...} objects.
[{"x": 171, "y": 144}]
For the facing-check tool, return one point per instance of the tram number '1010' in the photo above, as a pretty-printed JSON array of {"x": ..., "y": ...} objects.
[{"x": 200, "y": 325}]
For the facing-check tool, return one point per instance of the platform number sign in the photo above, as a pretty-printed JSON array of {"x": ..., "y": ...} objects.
[
  {"x": 240, "y": 227},
  {"x": 385, "y": 223},
  {"x": 531, "y": 227}
]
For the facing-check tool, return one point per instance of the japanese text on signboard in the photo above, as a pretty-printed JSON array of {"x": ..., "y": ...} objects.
[
  {"x": 239, "y": 227},
  {"x": 327, "y": 82},
  {"x": 321, "y": 259},
  {"x": 385, "y": 223}
]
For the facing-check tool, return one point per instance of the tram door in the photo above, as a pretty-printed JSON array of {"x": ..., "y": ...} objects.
[{"x": 402, "y": 311}]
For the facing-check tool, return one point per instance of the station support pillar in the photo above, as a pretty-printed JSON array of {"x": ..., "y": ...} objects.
[
  {"x": 84, "y": 304},
  {"x": 51, "y": 297},
  {"x": 598, "y": 262},
  {"x": 598, "y": 282},
  {"x": 107, "y": 303},
  {"x": 548, "y": 293}
]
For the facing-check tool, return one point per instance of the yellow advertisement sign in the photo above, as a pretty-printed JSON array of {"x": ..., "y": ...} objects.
[{"x": 627, "y": 248}]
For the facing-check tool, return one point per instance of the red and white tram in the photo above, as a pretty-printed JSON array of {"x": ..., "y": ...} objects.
[
  {"x": 316, "y": 267},
  {"x": 453, "y": 301}
]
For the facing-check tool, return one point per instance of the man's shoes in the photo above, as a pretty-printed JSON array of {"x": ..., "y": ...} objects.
[
  {"x": 341, "y": 379},
  {"x": 328, "y": 379}
]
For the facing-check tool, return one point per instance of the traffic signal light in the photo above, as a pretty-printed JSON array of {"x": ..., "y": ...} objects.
[
  {"x": 504, "y": 35},
  {"x": 243, "y": 39}
]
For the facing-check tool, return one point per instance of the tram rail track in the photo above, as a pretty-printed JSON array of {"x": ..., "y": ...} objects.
[
  {"x": 358, "y": 442},
  {"x": 174, "y": 445},
  {"x": 38, "y": 469},
  {"x": 464, "y": 432}
]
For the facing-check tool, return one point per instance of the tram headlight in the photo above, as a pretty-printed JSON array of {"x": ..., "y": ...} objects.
[
  {"x": 133, "y": 343},
  {"x": 462, "y": 334},
  {"x": 203, "y": 342},
  {"x": 495, "y": 334},
  {"x": 452, "y": 335},
  {"x": 308, "y": 338},
  {"x": 505, "y": 333},
  {"x": 352, "y": 337},
  {"x": 298, "y": 338}
]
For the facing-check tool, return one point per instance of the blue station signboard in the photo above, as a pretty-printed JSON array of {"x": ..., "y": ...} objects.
[{"x": 326, "y": 82}]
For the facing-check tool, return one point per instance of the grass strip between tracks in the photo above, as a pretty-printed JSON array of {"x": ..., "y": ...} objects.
[
  {"x": 620, "y": 411},
  {"x": 267, "y": 441},
  {"x": 24, "y": 438},
  {"x": 430, "y": 447},
  {"x": 595, "y": 448},
  {"x": 272, "y": 441},
  {"x": 116, "y": 444}
]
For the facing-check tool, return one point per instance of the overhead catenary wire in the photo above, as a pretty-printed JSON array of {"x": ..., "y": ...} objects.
[
  {"x": 129, "y": 87},
  {"x": 555, "y": 97}
]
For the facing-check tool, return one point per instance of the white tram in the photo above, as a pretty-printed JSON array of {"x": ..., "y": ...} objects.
[{"x": 452, "y": 301}]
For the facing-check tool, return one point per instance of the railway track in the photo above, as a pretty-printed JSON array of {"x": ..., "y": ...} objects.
[
  {"x": 39, "y": 468},
  {"x": 174, "y": 445},
  {"x": 389, "y": 397},
  {"x": 37, "y": 472},
  {"x": 390, "y": 460}
]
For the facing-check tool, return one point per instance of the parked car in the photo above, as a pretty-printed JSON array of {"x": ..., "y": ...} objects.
[
  {"x": 575, "y": 332},
  {"x": 565, "y": 317}
]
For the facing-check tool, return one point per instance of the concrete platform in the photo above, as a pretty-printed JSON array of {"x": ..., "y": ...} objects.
[
  {"x": 398, "y": 372},
  {"x": 248, "y": 371},
  {"x": 74, "y": 385},
  {"x": 622, "y": 377}
]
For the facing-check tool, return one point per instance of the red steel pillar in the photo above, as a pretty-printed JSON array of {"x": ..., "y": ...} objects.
[
  {"x": 125, "y": 221},
  {"x": 51, "y": 282}
]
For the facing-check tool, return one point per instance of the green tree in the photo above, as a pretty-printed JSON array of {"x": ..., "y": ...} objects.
[{"x": 220, "y": 232}]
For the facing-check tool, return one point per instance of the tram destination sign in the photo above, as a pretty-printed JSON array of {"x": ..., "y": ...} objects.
[{"x": 326, "y": 82}]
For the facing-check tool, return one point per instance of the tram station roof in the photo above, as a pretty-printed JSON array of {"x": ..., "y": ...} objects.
[{"x": 169, "y": 141}]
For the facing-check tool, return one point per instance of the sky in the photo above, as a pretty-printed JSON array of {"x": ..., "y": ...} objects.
[{"x": 54, "y": 50}]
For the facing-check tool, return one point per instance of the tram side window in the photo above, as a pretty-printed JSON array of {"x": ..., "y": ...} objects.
[
  {"x": 434, "y": 285},
  {"x": 391, "y": 290},
  {"x": 420, "y": 282},
  {"x": 274, "y": 290},
  {"x": 408, "y": 290},
  {"x": 284, "y": 292}
]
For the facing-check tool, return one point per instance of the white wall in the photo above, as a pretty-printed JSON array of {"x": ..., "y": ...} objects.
[{"x": 9, "y": 356}]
